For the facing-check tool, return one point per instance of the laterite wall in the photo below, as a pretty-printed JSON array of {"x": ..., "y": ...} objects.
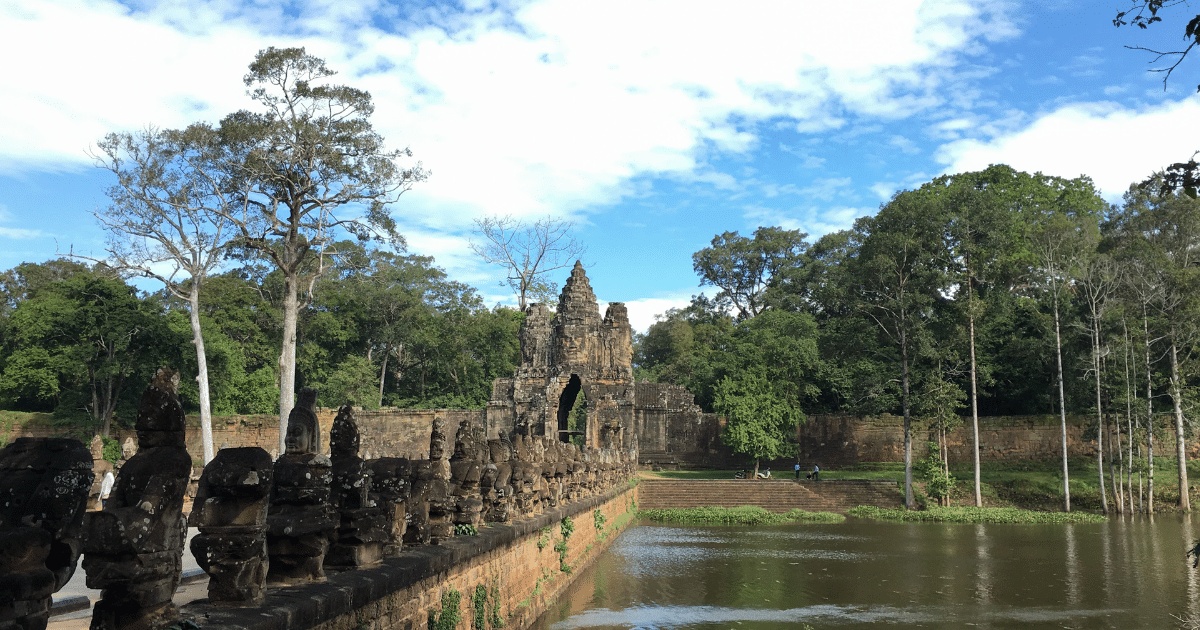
[{"x": 519, "y": 566}]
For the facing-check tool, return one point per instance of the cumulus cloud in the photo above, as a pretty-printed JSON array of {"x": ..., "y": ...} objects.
[
  {"x": 644, "y": 312},
  {"x": 1113, "y": 144},
  {"x": 526, "y": 110}
]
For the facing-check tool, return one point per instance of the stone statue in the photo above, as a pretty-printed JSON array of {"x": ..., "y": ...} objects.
[
  {"x": 436, "y": 490},
  {"x": 364, "y": 527},
  {"x": 231, "y": 513},
  {"x": 45, "y": 484},
  {"x": 133, "y": 549},
  {"x": 391, "y": 481},
  {"x": 100, "y": 469},
  {"x": 300, "y": 520},
  {"x": 466, "y": 470}
]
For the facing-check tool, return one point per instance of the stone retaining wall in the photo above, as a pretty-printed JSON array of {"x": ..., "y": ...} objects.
[{"x": 517, "y": 565}]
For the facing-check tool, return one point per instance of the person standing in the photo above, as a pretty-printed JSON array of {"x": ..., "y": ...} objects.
[
  {"x": 797, "y": 471},
  {"x": 106, "y": 486},
  {"x": 816, "y": 473}
]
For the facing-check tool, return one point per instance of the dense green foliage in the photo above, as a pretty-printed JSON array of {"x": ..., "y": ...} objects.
[
  {"x": 745, "y": 515},
  {"x": 973, "y": 515},
  {"x": 384, "y": 329},
  {"x": 1006, "y": 292}
]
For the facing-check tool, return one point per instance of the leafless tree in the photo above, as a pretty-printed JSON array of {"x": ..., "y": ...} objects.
[
  {"x": 162, "y": 225},
  {"x": 528, "y": 252}
]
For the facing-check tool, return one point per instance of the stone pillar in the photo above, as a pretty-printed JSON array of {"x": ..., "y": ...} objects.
[
  {"x": 231, "y": 513},
  {"x": 300, "y": 520},
  {"x": 45, "y": 483},
  {"x": 133, "y": 549}
]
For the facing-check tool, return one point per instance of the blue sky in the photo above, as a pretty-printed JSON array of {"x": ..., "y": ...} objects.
[{"x": 653, "y": 124}]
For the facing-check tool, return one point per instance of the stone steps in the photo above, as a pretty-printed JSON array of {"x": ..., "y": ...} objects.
[{"x": 776, "y": 495}]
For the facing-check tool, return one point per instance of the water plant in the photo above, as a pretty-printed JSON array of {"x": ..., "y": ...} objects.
[{"x": 970, "y": 514}]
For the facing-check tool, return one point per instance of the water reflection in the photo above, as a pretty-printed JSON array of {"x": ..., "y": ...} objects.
[{"x": 1127, "y": 573}]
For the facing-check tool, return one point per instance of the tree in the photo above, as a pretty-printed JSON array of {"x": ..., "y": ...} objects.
[
  {"x": 980, "y": 235},
  {"x": 292, "y": 171},
  {"x": 1062, "y": 238},
  {"x": 163, "y": 222},
  {"x": 1181, "y": 176},
  {"x": 743, "y": 268},
  {"x": 1094, "y": 288},
  {"x": 759, "y": 422},
  {"x": 73, "y": 345},
  {"x": 899, "y": 269},
  {"x": 1164, "y": 230},
  {"x": 528, "y": 252}
]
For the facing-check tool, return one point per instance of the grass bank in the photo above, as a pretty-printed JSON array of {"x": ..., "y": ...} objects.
[
  {"x": 745, "y": 515},
  {"x": 1024, "y": 484},
  {"x": 964, "y": 514}
]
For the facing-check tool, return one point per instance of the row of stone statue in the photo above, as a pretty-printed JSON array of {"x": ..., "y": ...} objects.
[{"x": 259, "y": 521}]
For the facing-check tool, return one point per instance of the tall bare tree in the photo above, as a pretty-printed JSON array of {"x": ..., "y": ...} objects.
[
  {"x": 298, "y": 175},
  {"x": 528, "y": 252},
  {"x": 162, "y": 224},
  {"x": 1095, "y": 287}
]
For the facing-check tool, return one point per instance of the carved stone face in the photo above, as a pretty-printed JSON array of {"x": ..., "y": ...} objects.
[{"x": 299, "y": 439}]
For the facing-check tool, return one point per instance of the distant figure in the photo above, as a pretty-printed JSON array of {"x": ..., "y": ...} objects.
[
  {"x": 797, "y": 471},
  {"x": 816, "y": 473},
  {"x": 106, "y": 487}
]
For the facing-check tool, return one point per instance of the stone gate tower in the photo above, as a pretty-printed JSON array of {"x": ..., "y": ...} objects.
[{"x": 563, "y": 354}]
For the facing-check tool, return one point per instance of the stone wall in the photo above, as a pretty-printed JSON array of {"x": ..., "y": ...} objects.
[
  {"x": 673, "y": 431},
  {"x": 836, "y": 441},
  {"x": 385, "y": 432},
  {"x": 518, "y": 560}
]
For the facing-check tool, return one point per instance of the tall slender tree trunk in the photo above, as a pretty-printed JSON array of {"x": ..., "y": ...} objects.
[
  {"x": 1130, "y": 394},
  {"x": 909, "y": 503},
  {"x": 387, "y": 351},
  {"x": 1127, "y": 463},
  {"x": 1185, "y": 502},
  {"x": 287, "y": 357},
  {"x": 1149, "y": 421},
  {"x": 206, "y": 436},
  {"x": 974, "y": 409},
  {"x": 1062, "y": 410},
  {"x": 1099, "y": 415},
  {"x": 1116, "y": 472}
]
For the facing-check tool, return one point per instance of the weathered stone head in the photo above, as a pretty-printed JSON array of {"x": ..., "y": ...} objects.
[
  {"x": 464, "y": 442},
  {"x": 129, "y": 448},
  {"x": 303, "y": 431},
  {"x": 160, "y": 420},
  {"x": 344, "y": 436},
  {"x": 437, "y": 439},
  {"x": 500, "y": 450},
  {"x": 97, "y": 448}
]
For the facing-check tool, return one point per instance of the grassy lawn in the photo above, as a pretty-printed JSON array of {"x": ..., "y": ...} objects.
[{"x": 1035, "y": 485}]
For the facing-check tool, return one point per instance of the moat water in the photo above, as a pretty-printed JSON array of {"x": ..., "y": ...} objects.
[{"x": 1126, "y": 573}]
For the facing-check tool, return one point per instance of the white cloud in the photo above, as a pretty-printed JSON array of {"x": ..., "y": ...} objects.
[
  {"x": 644, "y": 312},
  {"x": 1112, "y": 144},
  {"x": 529, "y": 112},
  {"x": 904, "y": 144},
  {"x": 884, "y": 190},
  {"x": 826, "y": 188},
  {"x": 20, "y": 234}
]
